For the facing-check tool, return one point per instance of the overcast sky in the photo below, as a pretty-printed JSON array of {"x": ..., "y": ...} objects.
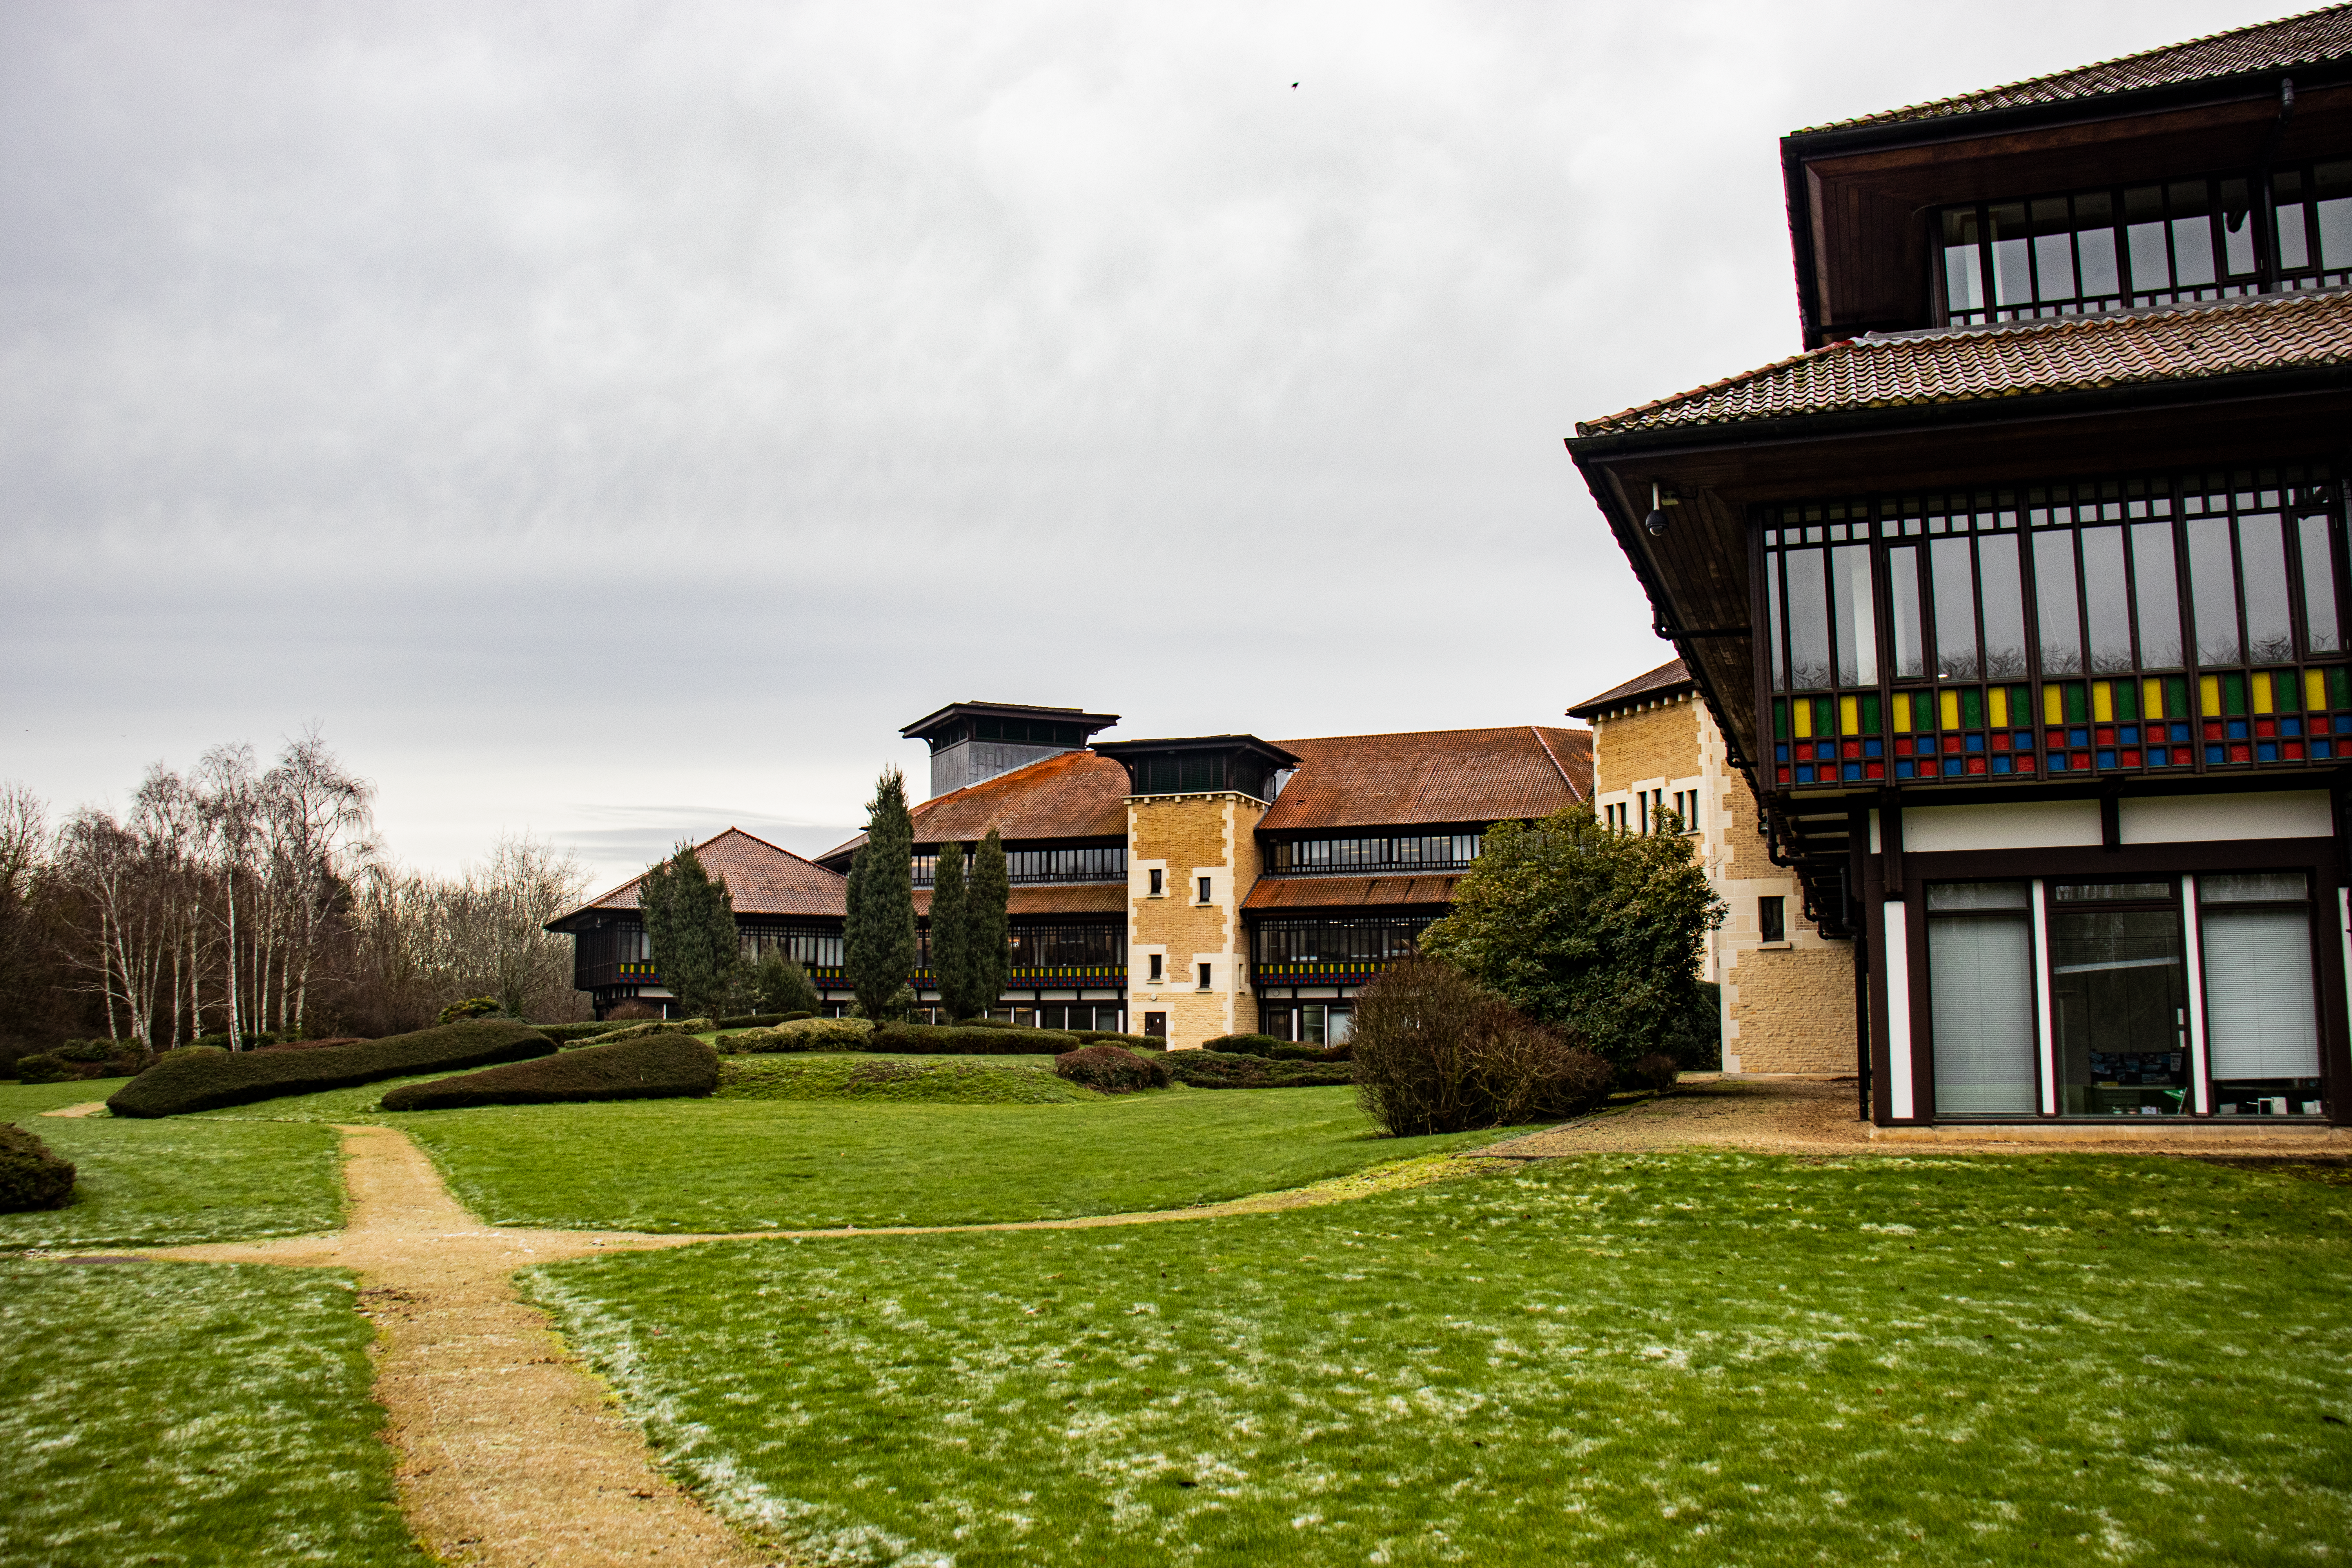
[{"x": 616, "y": 420}]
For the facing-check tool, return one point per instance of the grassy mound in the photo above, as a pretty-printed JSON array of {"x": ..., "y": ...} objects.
[
  {"x": 652, "y": 1067},
  {"x": 800, "y": 1035},
  {"x": 198, "y": 1080},
  {"x": 1114, "y": 1069},
  {"x": 1219, "y": 1070},
  {"x": 931, "y": 1083},
  {"x": 30, "y": 1176}
]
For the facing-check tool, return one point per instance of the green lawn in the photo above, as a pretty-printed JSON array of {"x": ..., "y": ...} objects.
[
  {"x": 189, "y": 1414},
  {"x": 176, "y": 1180},
  {"x": 906, "y": 1080},
  {"x": 1703, "y": 1358}
]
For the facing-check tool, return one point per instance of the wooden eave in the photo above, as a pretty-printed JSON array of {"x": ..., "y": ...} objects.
[
  {"x": 1859, "y": 199},
  {"x": 1697, "y": 574}
]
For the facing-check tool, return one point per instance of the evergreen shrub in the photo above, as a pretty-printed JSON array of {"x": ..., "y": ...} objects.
[
  {"x": 1219, "y": 1070},
  {"x": 765, "y": 1020},
  {"x": 800, "y": 1035},
  {"x": 30, "y": 1176},
  {"x": 1436, "y": 1052},
  {"x": 471, "y": 1007},
  {"x": 572, "y": 1034},
  {"x": 1112, "y": 1069},
  {"x": 1655, "y": 1072},
  {"x": 197, "y": 1080},
  {"x": 956, "y": 1040},
  {"x": 1113, "y": 1037},
  {"x": 650, "y": 1066},
  {"x": 47, "y": 1066},
  {"x": 314, "y": 1044}
]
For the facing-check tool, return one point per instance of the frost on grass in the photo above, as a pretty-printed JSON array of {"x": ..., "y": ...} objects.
[
  {"x": 179, "y": 1180},
  {"x": 1511, "y": 1371},
  {"x": 189, "y": 1414}
]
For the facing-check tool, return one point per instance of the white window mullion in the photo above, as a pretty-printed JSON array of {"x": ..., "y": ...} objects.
[
  {"x": 1900, "y": 1099},
  {"x": 2045, "y": 1024},
  {"x": 2201, "y": 1090}
]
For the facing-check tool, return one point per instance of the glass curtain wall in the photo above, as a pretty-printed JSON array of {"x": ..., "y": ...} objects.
[
  {"x": 2123, "y": 1008},
  {"x": 2122, "y": 246},
  {"x": 2176, "y": 624}
]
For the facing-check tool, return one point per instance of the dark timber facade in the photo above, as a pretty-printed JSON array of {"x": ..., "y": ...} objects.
[{"x": 2019, "y": 596}]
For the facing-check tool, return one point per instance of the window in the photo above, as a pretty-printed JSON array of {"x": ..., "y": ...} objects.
[
  {"x": 1308, "y": 1023},
  {"x": 1309, "y": 949},
  {"x": 2262, "y": 1019},
  {"x": 2178, "y": 623},
  {"x": 2119, "y": 998},
  {"x": 1205, "y": 890},
  {"x": 1159, "y": 883},
  {"x": 1771, "y": 920},
  {"x": 1156, "y": 962},
  {"x": 1980, "y": 998},
  {"x": 1204, "y": 977},
  {"x": 1650, "y": 805},
  {"x": 1103, "y": 863},
  {"x": 1686, "y": 809},
  {"x": 1614, "y": 816},
  {"x": 2162, "y": 244},
  {"x": 1401, "y": 852}
]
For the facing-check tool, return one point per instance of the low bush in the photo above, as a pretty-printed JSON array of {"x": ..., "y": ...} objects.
[
  {"x": 315, "y": 1045},
  {"x": 1436, "y": 1052},
  {"x": 471, "y": 1007},
  {"x": 1655, "y": 1072},
  {"x": 765, "y": 1020},
  {"x": 46, "y": 1067},
  {"x": 630, "y": 1011},
  {"x": 1694, "y": 1036},
  {"x": 1112, "y": 1038},
  {"x": 1114, "y": 1069},
  {"x": 956, "y": 1040},
  {"x": 1244, "y": 1045},
  {"x": 650, "y": 1066},
  {"x": 221, "y": 1041},
  {"x": 800, "y": 1035},
  {"x": 615, "y": 1033},
  {"x": 1220, "y": 1069},
  {"x": 30, "y": 1176},
  {"x": 198, "y": 1080},
  {"x": 567, "y": 1034}
]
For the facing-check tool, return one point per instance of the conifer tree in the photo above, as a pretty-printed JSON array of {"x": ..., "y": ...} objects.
[
  {"x": 879, "y": 943},
  {"x": 691, "y": 926},
  {"x": 989, "y": 956},
  {"x": 950, "y": 935},
  {"x": 779, "y": 985}
]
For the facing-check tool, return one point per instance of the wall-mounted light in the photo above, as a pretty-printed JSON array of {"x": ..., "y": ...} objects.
[{"x": 1659, "y": 501}]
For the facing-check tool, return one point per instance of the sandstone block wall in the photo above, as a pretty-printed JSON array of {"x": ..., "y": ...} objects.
[
  {"x": 1656, "y": 744},
  {"x": 1190, "y": 837},
  {"x": 1792, "y": 1007}
]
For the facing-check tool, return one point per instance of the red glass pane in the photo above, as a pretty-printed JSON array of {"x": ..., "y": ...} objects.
[
  {"x": 1976, "y": 764},
  {"x": 1853, "y": 748},
  {"x": 2242, "y": 751},
  {"x": 1783, "y": 775},
  {"x": 2024, "y": 763},
  {"x": 1951, "y": 742},
  {"x": 2293, "y": 750},
  {"x": 2001, "y": 740},
  {"x": 2213, "y": 730},
  {"x": 2106, "y": 735},
  {"x": 2131, "y": 758},
  {"x": 2265, "y": 728},
  {"x": 2080, "y": 759},
  {"x": 1874, "y": 770}
]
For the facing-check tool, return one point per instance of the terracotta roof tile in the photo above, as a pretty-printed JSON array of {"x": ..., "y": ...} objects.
[
  {"x": 761, "y": 880},
  {"x": 1666, "y": 678},
  {"x": 1052, "y": 898},
  {"x": 2322, "y": 35},
  {"x": 1071, "y": 794},
  {"x": 1433, "y": 776},
  {"x": 2066, "y": 353},
  {"x": 1348, "y": 892}
]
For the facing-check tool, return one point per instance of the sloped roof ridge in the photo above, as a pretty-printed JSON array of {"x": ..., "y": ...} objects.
[
  {"x": 2136, "y": 347},
  {"x": 1673, "y": 672},
  {"x": 1407, "y": 734},
  {"x": 616, "y": 891},
  {"x": 2304, "y": 37}
]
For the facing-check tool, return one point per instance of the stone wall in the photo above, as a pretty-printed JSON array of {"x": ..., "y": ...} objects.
[{"x": 1188, "y": 837}]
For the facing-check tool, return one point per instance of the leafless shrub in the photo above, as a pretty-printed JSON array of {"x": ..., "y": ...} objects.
[{"x": 1434, "y": 1052}]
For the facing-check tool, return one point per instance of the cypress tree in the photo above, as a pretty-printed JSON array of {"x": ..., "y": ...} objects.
[
  {"x": 950, "y": 935},
  {"x": 879, "y": 943},
  {"x": 781, "y": 985},
  {"x": 989, "y": 955},
  {"x": 691, "y": 926}
]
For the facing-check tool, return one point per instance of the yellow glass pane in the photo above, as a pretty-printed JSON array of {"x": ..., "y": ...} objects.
[
  {"x": 1948, "y": 708},
  {"x": 1997, "y": 704},
  {"x": 2103, "y": 701},
  {"x": 1802, "y": 712},
  {"x": 2314, "y": 690},
  {"x": 2053, "y": 705},
  {"x": 1903, "y": 712},
  {"x": 2151, "y": 699},
  {"x": 2208, "y": 694},
  {"x": 2262, "y": 703},
  {"x": 1849, "y": 715}
]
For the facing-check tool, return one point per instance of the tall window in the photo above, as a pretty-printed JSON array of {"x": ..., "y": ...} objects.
[
  {"x": 1771, "y": 918},
  {"x": 2182, "y": 623},
  {"x": 1310, "y": 946},
  {"x": 1377, "y": 852},
  {"x": 2125, "y": 246},
  {"x": 2261, "y": 1020},
  {"x": 1981, "y": 994}
]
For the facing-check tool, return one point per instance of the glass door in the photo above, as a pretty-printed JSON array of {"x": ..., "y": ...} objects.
[
  {"x": 2261, "y": 1014},
  {"x": 2119, "y": 995},
  {"x": 1980, "y": 998}
]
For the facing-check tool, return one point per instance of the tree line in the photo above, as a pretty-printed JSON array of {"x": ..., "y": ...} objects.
[{"x": 237, "y": 900}]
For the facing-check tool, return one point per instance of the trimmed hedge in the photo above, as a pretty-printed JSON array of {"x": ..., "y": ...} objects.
[
  {"x": 315, "y": 1045},
  {"x": 651, "y": 1067},
  {"x": 1275, "y": 1050},
  {"x": 45, "y": 1067},
  {"x": 764, "y": 1020},
  {"x": 945, "y": 1040},
  {"x": 800, "y": 1035},
  {"x": 1112, "y": 1038},
  {"x": 569, "y": 1034},
  {"x": 1114, "y": 1069},
  {"x": 30, "y": 1176},
  {"x": 1221, "y": 1069},
  {"x": 196, "y": 1079}
]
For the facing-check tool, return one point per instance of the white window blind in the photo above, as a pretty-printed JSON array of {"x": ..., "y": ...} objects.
[
  {"x": 1980, "y": 997},
  {"x": 2261, "y": 1018}
]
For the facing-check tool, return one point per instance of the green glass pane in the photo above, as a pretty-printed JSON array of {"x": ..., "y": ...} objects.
[
  {"x": 2286, "y": 690},
  {"x": 2078, "y": 702},
  {"x": 2126, "y": 699},
  {"x": 1824, "y": 717},
  {"x": 1779, "y": 717},
  {"x": 2176, "y": 695},
  {"x": 2340, "y": 688},
  {"x": 1870, "y": 716},
  {"x": 2233, "y": 694},
  {"x": 1972, "y": 708},
  {"x": 2021, "y": 712}
]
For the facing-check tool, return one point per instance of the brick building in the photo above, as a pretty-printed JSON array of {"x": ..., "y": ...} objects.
[{"x": 1185, "y": 888}]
